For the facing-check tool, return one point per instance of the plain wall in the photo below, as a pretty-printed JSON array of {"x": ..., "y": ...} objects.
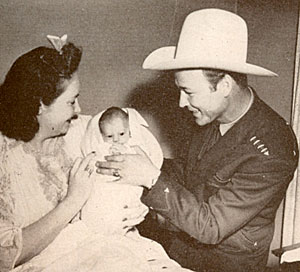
[
  {"x": 117, "y": 35},
  {"x": 272, "y": 27}
]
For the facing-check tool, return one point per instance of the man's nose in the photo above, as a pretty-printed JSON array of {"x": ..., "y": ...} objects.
[{"x": 183, "y": 100}]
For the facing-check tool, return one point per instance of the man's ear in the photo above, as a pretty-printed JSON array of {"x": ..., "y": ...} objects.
[{"x": 225, "y": 85}]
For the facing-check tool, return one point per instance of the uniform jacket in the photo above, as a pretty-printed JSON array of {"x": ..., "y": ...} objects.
[{"x": 227, "y": 198}]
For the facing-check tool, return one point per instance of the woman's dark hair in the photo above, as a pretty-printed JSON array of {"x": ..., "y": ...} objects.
[
  {"x": 34, "y": 78},
  {"x": 214, "y": 76}
]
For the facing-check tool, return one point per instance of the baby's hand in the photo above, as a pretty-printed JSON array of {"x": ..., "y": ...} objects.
[{"x": 117, "y": 149}]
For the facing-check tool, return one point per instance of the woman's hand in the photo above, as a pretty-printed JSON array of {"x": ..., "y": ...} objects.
[
  {"x": 41, "y": 233},
  {"x": 80, "y": 181},
  {"x": 134, "y": 169},
  {"x": 133, "y": 216}
]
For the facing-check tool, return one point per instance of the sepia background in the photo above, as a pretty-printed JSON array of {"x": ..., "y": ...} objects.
[{"x": 116, "y": 36}]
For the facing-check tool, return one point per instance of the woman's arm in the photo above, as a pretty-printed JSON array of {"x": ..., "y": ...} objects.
[{"x": 40, "y": 234}]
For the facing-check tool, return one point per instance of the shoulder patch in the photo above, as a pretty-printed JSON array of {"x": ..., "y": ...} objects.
[{"x": 259, "y": 145}]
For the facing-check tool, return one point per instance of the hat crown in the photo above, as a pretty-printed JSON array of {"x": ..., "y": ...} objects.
[
  {"x": 213, "y": 34},
  {"x": 209, "y": 38}
]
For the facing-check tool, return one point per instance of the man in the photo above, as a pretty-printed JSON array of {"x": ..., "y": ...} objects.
[{"x": 223, "y": 196}]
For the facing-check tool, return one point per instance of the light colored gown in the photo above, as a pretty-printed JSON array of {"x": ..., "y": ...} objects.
[{"x": 31, "y": 185}]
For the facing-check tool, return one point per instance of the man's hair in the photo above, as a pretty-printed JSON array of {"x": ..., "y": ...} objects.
[
  {"x": 34, "y": 78},
  {"x": 214, "y": 76},
  {"x": 111, "y": 114}
]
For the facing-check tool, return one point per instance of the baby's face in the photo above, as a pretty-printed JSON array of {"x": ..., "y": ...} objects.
[{"x": 115, "y": 131}]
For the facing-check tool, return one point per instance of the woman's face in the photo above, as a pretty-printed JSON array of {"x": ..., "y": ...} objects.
[{"x": 55, "y": 119}]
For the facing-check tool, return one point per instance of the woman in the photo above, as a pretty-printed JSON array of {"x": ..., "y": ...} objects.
[{"x": 43, "y": 181}]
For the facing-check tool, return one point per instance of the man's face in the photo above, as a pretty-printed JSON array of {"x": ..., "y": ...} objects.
[{"x": 197, "y": 94}]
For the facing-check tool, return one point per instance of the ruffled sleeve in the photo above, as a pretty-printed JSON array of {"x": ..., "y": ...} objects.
[
  {"x": 10, "y": 245},
  {"x": 10, "y": 234}
]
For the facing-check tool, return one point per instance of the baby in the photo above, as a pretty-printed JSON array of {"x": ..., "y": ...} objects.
[
  {"x": 115, "y": 131},
  {"x": 110, "y": 132}
]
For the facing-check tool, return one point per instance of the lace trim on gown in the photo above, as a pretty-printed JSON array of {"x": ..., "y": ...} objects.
[
  {"x": 7, "y": 200},
  {"x": 53, "y": 167}
]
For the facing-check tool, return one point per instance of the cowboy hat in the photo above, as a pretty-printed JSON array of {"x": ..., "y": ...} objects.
[{"x": 209, "y": 38}]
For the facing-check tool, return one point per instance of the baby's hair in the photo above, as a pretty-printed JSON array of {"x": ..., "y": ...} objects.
[{"x": 111, "y": 114}]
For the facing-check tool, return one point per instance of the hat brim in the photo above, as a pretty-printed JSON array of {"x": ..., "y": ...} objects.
[{"x": 163, "y": 59}]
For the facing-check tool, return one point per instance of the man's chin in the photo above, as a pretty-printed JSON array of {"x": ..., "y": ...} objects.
[{"x": 201, "y": 122}]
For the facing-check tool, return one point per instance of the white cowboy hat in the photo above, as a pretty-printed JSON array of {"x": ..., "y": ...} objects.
[{"x": 209, "y": 38}]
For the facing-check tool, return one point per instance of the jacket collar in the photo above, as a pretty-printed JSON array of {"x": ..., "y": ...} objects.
[{"x": 238, "y": 134}]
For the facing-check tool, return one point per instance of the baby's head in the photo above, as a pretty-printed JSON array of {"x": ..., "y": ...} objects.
[{"x": 114, "y": 126}]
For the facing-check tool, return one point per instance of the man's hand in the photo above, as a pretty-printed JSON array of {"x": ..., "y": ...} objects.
[{"x": 134, "y": 169}]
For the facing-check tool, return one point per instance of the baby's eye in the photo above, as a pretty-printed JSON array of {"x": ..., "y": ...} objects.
[
  {"x": 122, "y": 133},
  {"x": 109, "y": 136}
]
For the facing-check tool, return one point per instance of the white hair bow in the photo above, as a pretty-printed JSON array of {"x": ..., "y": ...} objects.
[{"x": 58, "y": 42}]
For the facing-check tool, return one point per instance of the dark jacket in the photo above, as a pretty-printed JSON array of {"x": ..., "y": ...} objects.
[{"x": 224, "y": 203}]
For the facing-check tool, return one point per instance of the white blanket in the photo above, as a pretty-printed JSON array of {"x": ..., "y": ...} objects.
[{"x": 102, "y": 211}]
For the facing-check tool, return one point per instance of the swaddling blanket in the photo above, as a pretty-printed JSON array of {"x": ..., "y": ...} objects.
[{"x": 102, "y": 211}]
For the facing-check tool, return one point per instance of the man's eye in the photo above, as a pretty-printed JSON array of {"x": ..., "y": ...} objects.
[{"x": 188, "y": 93}]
